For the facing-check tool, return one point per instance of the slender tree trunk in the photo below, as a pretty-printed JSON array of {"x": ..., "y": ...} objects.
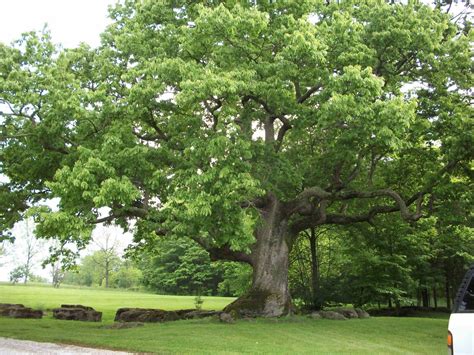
[
  {"x": 418, "y": 296},
  {"x": 425, "y": 297},
  {"x": 435, "y": 298},
  {"x": 269, "y": 295},
  {"x": 448, "y": 294},
  {"x": 314, "y": 270},
  {"x": 106, "y": 272}
]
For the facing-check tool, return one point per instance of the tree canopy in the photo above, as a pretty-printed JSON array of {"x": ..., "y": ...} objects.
[{"x": 238, "y": 125}]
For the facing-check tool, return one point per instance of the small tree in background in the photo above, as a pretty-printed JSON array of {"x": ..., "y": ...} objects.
[
  {"x": 106, "y": 258},
  {"x": 18, "y": 273}
]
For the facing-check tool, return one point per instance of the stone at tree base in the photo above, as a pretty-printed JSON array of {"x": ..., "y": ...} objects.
[
  {"x": 226, "y": 318},
  {"x": 361, "y": 313},
  {"x": 332, "y": 315},
  {"x": 348, "y": 313},
  {"x": 19, "y": 311},
  {"x": 315, "y": 315},
  {"x": 257, "y": 303},
  {"x": 77, "y": 312},
  {"x": 182, "y": 312}
]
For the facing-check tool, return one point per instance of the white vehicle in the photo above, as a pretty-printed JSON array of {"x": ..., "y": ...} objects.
[{"x": 461, "y": 322}]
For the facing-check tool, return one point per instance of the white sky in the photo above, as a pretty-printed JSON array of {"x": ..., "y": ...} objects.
[{"x": 70, "y": 21}]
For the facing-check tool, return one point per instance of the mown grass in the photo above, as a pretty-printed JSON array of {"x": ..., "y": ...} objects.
[
  {"x": 104, "y": 300},
  {"x": 295, "y": 335}
]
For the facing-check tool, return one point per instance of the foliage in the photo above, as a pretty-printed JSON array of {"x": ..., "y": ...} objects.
[
  {"x": 91, "y": 272},
  {"x": 198, "y": 301},
  {"x": 388, "y": 262},
  {"x": 236, "y": 279},
  {"x": 194, "y": 119},
  {"x": 18, "y": 273},
  {"x": 126, "y": 276},
  {"x": 180, "y": 266}
]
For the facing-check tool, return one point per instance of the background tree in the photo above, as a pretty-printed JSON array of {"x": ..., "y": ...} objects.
[
  {"x": 26, "y": 250},
  {"x": 18, "y": 273},
  {"x": 57, "y": 274},
  {"x": 127, "y": 276},
  {"x": 239, "y": 126},
  {"x": 106, "y": 258},
  {"x": 179, "y": 266}
]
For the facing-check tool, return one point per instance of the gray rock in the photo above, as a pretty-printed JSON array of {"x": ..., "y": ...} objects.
[
  {"x": 349, "y": 313},
  {"x": 226, "y": 318},
  {"x": 77, "y": 312},
  {"x": 361, "y": 313},
  {"x": 19, "y": 311},
  {"x": 146, "y": 315},
  {"x": 315, "y": 315},
  {"x": 332, "y": 315},
  {"x": 77, "y": 306},
  {"x": 200, "y": 314},
  {"x": 149, "y": 315}
]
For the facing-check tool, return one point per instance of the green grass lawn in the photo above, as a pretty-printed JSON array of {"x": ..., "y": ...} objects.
[{"x": 295, "y": 335}]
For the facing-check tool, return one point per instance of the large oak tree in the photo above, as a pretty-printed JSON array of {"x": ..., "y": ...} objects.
[{"x": 237, "y": 125}]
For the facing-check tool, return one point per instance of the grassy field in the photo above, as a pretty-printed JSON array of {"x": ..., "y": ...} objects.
[{"x": 294, "y": 335}]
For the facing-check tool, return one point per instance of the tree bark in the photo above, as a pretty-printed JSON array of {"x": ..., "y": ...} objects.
[
  {"x": 314, "y": 270},
  {"x": 107, "y": 271},
  {"x": 447, "y": 294},
  {"x": 269, "y": 295},
  {"x": 425, "y": 297}
]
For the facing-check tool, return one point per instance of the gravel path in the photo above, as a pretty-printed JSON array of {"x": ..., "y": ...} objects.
[{"x": 13, "y": 346}]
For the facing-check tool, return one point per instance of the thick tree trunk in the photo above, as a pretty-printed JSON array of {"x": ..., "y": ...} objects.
[{"x": 269, "y": 295}]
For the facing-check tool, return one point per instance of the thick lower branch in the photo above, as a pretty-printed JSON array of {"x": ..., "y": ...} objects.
[{"x": 223, "y": 252}]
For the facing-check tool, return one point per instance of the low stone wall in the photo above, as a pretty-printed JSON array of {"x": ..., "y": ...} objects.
[
  {"x": 149, "y": 315},
  {"x": 19, "y": 311},
  {"x": 77, "y": 312},
  {"x": 340, "y": 314}
]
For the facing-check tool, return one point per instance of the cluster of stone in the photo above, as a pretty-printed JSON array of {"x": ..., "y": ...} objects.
[
  {"x": 340, "y": 314},
  {"x": 19, "y": 311},
  {"x": 149, "y": 315},
  {"x": 77, "y": 312}
]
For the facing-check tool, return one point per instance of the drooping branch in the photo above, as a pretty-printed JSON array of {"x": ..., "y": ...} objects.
[
  {"x": 306, "y": 203},
  {"x": 282, "y": 131},
  {"x": 308, "y": 93},
  {"x": 260, "y": 101},
  {"x": 223, "y": 252},
  {"x": 321, "y": 217},
  {"x": 130, "y": 212}
]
